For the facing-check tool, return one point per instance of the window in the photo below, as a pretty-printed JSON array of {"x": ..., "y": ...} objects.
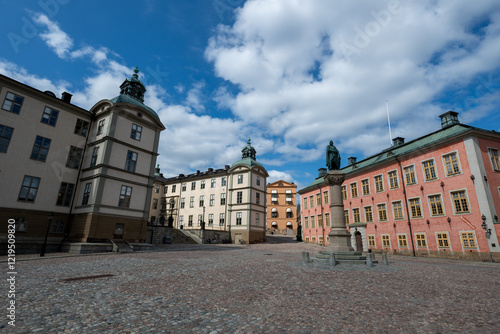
[
  {"x": 13, "y": 103},
  {"x": 451, "y": 164},
  {"x": 156, "y": 188},
  {"x": 165, "y": 189},
  {"x": 240, "y": 179},
  {"x": 442, "y": 239},
  {"x": 184, "y": 187},
  {"x": 356, "y": 216},
  {"x": 155, "y": 203},
  {"x": 193, "y": 185},
  {"x": 183, "y": 202},
  {"x": 436, "y": 205},
  {"x": 29, "y": 188},
  {"x": 382, "y": 212},
  {"x": 202, "y": 184},
  {"x": 304, "y": 200},
  {"x": 202, "y": 201},
  {"x": 289, "y": 196},
  {"x": 402, "y": 241},
  {"x": 81, "y": 127},
  {"x": 131, "y": 161},
  {"x": 239, "y": 197},
  {"x": 257, "y": 198},
  {"x": 223, "y": 181},
  {"x": 49, "y": 116},
  {"x": 5, "y": 136},
  {"x": 320, "y": 221},
  {"x": 74, "y": 157},
  {"x": 379, "y": 184},
  {"x": 174, "y": 187},
  {"x": 210, "y": 219},
  {"x": 136, "y": 132},
  {"x": 327, "y": 219},
  {"x": 415, "y": 209},
  {"x": 222, "y": 199},
  {"x": 371, "y": 241},
  {"x": 238, "y": 218},
  {"x": 306, "y": 222},
  {"x": 212, "y": 200},
  {"x": 57, "y": 227},
  {"x": 289, "y": 213},
  {"x": 429, "y": 170},
  {"x": 421, "y": 241},
  {"x": 397, "y": 209},
  {"x": 393, "y": 180},
  {"x": 313, "y": 222},
  {"x": 325, "y": 197},
  {"x": 460, "y": 202},
  {"x": 366, "y": 187},
  {"x": 354, "y": 190},
  {"x": 320, "y": 240},
  {"x": 21, "y": 225},
  {"x": 221, "y": 219},
  {"x": 274, "y": 213},
  {"x": 125, "y": 195},
  {"x": 344, "y": 193},
  {"x": 410, "y": 175},
  {"x": 311, "y": 201},
  {"x": 346, "y": 216},
  {"x": 318, "y": 199},
  {"x": 95, "y": 154},
  {"x": 257, "y": 180},
  {"x": 386, "y": 241},
  {"x": 495, "y": 159},
  {"x": 65, "y": 194},
  {"x": 212, "y": 183},
  {"x": 274, "y": 197},
  {"x": 181, "y": 220},
  {"x": 190, "y": 220},
  {"x": 40, "y": 149},
  {"x": 368, "y": 214},
  {"x": 86, "y": 194},
  {"x": 100, "y": 127},
  {"x": 191, "y": 202},
  {"x": 200, "y": 219},
  {"x": 468, "y": 240}
]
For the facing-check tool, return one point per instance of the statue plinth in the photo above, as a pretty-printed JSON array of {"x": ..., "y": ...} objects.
[{"x": 340, "y": 238}]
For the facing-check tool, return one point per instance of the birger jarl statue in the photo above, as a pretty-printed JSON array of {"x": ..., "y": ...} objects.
[{"x": 332, "y": 157}]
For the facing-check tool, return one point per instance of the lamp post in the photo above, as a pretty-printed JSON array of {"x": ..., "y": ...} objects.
[
  {"x": 171, "y": 218},
  {"x": 51, "y": 217},
  {"x": 485, "y": 227}
]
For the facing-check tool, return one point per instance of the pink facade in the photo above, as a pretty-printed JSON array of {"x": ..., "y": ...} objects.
[{"x": 426, "y": 198}]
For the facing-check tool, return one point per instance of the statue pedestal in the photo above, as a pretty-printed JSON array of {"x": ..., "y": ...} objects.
[{"x": 340, "y": 238}]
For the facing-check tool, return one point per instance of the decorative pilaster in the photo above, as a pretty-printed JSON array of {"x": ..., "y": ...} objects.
[{"x": 340, "y": 238}]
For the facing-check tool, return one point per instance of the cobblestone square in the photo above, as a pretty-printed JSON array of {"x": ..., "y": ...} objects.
[{"x": 261, "y": 288}]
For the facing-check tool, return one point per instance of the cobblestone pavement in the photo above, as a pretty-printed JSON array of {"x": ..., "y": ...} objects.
[{"x": 263, "y": 288}]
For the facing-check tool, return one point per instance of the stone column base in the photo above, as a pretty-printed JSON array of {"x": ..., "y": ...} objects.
[{"x": 340, "y": 241}]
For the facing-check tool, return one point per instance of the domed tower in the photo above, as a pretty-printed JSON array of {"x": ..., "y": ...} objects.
[
  {"x": 114, "y": 194},
  {"x": 247, "y": 198}
]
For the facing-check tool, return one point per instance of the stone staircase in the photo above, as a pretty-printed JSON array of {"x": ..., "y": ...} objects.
[
  {"x": 122, "y": 246},
  {"x": 342, "y": 257},
  {"x": 192, "y": 235}
]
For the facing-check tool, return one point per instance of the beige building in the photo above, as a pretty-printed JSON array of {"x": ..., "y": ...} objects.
[
  {"x": 282, "y": 208},
  {"x": 92, "y": 169},
  {"x": 231, "y": 199}
]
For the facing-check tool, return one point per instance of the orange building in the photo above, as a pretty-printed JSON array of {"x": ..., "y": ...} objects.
[
  {"x": 282, "y": 208},
  {"x": 438, "y": 195}
]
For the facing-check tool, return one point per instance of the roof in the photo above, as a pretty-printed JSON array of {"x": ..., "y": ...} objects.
[
  {"x": 123, "y": 98},
  {"x": 247, "y": 161},
  {"x": 425, "y": 142}
]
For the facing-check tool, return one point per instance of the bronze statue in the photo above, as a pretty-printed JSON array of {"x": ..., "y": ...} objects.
[{"x": 332, "y": 157}]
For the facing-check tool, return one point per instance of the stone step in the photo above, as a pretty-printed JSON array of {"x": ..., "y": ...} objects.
[
  {"x": 341, "y": 253},
  {"x": 341, "y": 260}
]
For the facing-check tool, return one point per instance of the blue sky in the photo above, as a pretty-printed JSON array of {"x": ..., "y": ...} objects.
[{"x": 290, "y": 74}]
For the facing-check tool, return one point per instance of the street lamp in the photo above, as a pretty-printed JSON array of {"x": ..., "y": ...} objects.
[
  {"x": 51, "y": 217},
  {"x": 485, "y": 227},
  {"x": 171, "y": 218}
]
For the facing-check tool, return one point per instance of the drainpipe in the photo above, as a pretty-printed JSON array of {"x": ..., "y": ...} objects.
[
  {"x": 322, "y": 222},
  {"x": 406, "y": 205}
]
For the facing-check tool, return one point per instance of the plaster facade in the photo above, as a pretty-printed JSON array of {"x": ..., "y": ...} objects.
[{"x": 282, "y": 208}]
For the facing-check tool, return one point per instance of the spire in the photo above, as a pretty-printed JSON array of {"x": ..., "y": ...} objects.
[
  {"x": 133, "y": 87},
  {"x": 248, "y": 151}
]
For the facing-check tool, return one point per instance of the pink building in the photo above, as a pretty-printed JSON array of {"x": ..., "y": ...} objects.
[{"x": 438, "y": 195}]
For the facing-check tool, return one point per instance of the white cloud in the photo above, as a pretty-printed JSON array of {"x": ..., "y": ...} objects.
[
  {"x": 275, "y": 175},
  {"x": 57, "y": 39}
]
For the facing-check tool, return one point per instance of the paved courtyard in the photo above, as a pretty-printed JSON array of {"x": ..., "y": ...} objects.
[{"x": 262, "y": 288}]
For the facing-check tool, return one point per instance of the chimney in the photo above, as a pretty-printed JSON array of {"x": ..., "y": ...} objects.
[
  {"x": 351, "y": 160},
  {"x": 398, "y": 141},
  {"x": 66, "y": 97},
  {"x": 448, "y": 119},
  {"x": 321, "y": 172}
]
